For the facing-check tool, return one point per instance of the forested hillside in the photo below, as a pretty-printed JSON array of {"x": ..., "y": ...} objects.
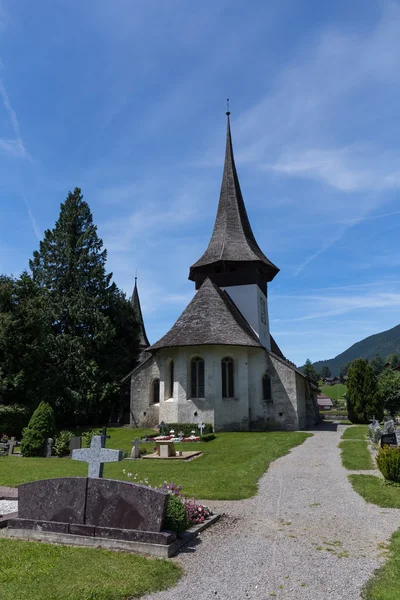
[{"x": 384, "y": 343}]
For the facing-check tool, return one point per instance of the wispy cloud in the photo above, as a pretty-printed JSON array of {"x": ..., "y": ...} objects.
[
  {"x": 35, "y": 226},
  {"x": 14, "y": 147}
]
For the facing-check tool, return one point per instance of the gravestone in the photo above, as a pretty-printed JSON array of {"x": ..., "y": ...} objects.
[
  {"x": 397, "y": 432},
  {"x": 388, "y": 426},
  {"x": 49, "y": 447},
  {"x": 93, "y": 507},
  {"x": 388, "y": 439},
  {"x": 201, "y": 427},
  {"x": 75, "y": 444},
  {"x": 97, "y": 455},
  {"x": 135, "y": 453}
]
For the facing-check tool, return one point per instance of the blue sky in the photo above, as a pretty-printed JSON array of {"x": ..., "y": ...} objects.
[{"x": 127, "y": 101}]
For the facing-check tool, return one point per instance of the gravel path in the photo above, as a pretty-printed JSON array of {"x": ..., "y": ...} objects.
[{"x": 306, "y": 535}]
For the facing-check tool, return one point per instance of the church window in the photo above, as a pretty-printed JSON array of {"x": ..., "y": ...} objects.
[
  {"x": 266, "y": 383},
  {"x": 227, "y": 378},
  {"x": 197, "y": 377},
  {"x": 155, "y": 391},
  {"x": 171, "y": 380}
]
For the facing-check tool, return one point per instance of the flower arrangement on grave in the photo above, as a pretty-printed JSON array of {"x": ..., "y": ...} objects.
[{"x": 4, "y": 438}]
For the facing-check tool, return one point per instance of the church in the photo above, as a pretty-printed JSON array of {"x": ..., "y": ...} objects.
[{"x": 219, "y": 363}]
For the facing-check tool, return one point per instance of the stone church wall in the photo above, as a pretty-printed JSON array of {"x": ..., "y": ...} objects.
[{"x": 143, "y": 413}]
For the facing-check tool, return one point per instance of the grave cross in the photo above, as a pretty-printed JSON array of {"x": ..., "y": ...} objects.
[
  {"x": 162, "y": 426},
  {"x": 11, "y": 444},
  {"x": 96, "y": 456},
  {"x": 201, "y": 427},
  {"x": 104, "y": 437}
]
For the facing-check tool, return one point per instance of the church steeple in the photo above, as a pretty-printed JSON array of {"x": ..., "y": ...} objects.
[
  {"x": 143, "y": 341},
  {"x": 233, "y": 256}
]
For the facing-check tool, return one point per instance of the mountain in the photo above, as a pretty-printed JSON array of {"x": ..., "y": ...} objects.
[{"x": 384, "y": 343}]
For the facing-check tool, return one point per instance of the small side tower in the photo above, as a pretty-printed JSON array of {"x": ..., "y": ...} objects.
[
  {"x": 233, "y": 260},
  {"x": 143, "y": 340}
]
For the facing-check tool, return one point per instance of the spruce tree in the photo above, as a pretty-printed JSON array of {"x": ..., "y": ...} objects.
[
  {"x": 88, "y": 348},
  {"x": 309, "y": 371},
  {"x": 363, "y": 401}
]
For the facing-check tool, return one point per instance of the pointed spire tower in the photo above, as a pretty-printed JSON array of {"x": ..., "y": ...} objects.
[
  {"x": 143, "y": 341},
  {"x": 233, "y": 260}
]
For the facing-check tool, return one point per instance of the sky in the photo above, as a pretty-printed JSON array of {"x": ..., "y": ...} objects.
[{"x": 126, "y": 100}]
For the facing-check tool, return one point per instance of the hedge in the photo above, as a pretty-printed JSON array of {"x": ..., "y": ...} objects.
[
  {"x": 187, "y": 428},
  {"x": 13, "y": 419}
]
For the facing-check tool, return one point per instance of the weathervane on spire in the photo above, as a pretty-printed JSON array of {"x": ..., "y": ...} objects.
[{"x": 227, "y": 106}]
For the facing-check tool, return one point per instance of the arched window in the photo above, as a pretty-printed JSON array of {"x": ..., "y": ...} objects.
[
  {"x": 197, "y": 377},
  {"x": 227, "y": 378},
  {"x": 155, "y": 391},
  {"x": 266, "y": 383},
  {"x": 171, "y": 380}
]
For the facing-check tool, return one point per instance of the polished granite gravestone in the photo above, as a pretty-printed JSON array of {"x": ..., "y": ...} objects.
[{"x": 93, "y": 507}]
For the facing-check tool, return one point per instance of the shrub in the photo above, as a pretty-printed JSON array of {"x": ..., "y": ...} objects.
[
  {"x": 40, "y": 427},
  {"x": 208, "y": 437},
  {"x": 61, "y": 445},
  {"x": 187, "y": 428},
  {"x": 13, "y": 419},
  {"x": 388, "y": 461},
  {"x": 176, "y": 518},
  {"x": 87, "y": 436}
]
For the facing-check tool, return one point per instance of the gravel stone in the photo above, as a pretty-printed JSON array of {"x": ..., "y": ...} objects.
[
  {"x": 305, "y": 536},
  {"x": 8, "y": 506}
]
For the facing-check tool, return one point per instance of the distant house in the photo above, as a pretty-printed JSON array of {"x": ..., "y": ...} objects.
[
  {"x": 331, "y": 380},
  {"x": 324, "y": 402}
]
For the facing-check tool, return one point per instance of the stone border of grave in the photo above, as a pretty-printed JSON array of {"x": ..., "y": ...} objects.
[{"x": 159, "y": 550}]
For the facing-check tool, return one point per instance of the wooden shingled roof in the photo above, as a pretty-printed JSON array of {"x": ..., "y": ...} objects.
[
  {"x": 211, "y": 318},
  {"x": 232, "y": 240}
]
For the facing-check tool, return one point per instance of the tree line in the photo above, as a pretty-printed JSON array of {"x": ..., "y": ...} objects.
[
  {"x": 67, "y": 333},
  {"x": 373, "y": 387}
]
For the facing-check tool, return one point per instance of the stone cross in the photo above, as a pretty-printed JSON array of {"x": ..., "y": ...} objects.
[
  {"x": 11, "y": 444},
  {"x": 201, "y": 427},
  {"x": 135, "y": 448},
  {"x": 96, "y": 456}
]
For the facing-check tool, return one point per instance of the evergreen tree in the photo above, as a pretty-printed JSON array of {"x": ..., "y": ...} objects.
[
  {"x": 40, "y": 427},
  {"x": 93, "y": 336},
  {"x": 325, "y": 372},
  {"x": 309, "y": 371},
  {"x": 23, "y": 330},
  {"x": 363, "y": 401},
  {"x": 389, "y": 390},
  {"x": 393, "y": 360},
  {"x": 377, "y": 364}
]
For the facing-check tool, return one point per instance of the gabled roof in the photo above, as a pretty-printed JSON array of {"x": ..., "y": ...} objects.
[
  {"x": 232, "y": 239},
  {"x": 143, "y": 340},
  {"x": 211, "y": 318}
]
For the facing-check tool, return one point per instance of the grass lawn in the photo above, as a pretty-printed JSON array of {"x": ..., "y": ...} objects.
[
  {"x": 376, "y": 491},
  {"x": 33, "y": 571},
  {"x": 384, "y": 584},
  {"x": 358, "y": 432},
  {"x": 355, "y": 455},
  {"x": 335, "y": 392},
  {"x": 229, "y": 470}
]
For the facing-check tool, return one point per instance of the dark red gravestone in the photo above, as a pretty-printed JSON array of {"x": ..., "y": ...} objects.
[{"x": 92, "y": 506}]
